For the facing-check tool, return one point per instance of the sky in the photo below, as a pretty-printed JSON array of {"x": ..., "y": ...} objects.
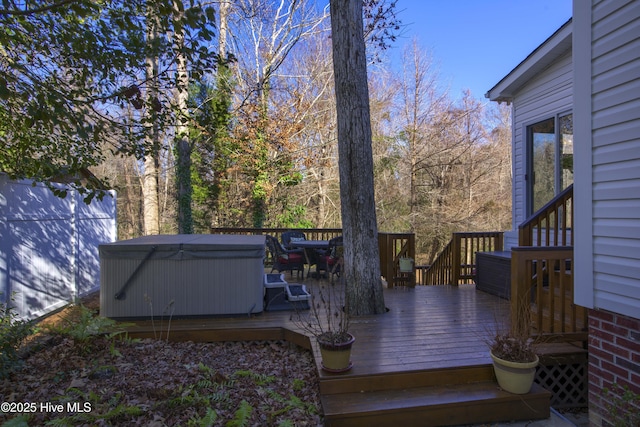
[{"x": 475, "y": 43}]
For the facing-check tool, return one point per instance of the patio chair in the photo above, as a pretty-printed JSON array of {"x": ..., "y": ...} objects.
[
  {"x": 282, "y": 259},
  {"x": 331, "y": 260},
  {"x": 292, "y": 236}
]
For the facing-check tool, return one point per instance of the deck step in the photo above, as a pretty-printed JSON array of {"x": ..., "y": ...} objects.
[
  {"x": 435, "y": 406},
  {"x": 339, "y": 384}
]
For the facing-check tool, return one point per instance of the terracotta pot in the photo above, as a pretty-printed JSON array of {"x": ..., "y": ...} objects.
[
  {"x": 514, "y": 377},
  {"x": 336, "y": 357}
]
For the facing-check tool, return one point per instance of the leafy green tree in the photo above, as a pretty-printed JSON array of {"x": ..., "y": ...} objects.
[
  {"x": 72, "y": 81},
  {"x": 213, "y": 149}
]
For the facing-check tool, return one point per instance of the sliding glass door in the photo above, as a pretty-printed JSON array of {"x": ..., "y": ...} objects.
[{"x": 550, "y": 160}]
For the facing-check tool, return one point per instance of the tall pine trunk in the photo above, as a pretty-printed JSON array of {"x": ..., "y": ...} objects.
[
  {"x": 364, "y": 294},
  {"x": 182, "y": 143},
  {"x": 152, "y": 144}
]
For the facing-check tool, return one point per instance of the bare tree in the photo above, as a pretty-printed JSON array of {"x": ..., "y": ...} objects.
[
  {"x": 422, "y": 106},
  {"x": 362, "y": 261},
  {"x": 265, "y": 33},
  {"x": 305, "y": 91},
  {"x": 390, "y": 185},
  {"x": 422, "y": 113}
]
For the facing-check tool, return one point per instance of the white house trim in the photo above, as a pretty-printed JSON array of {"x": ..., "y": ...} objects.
[
  {"x": 582, "y": 153},
  {"x": 540, "y": 59}
]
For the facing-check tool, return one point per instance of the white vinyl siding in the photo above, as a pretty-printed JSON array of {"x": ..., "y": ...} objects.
[
  {"x": 611, "y": 39},
  {"x": 548, "y": 94},
  {"x": 49, "y": 246}
]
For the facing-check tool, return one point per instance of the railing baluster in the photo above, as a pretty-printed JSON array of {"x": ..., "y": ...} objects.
[
  {"x": 564, "y": 290},
  {"x": 555, "y": 217},
  {"x": 555, "y": 312},
  {"x": 555, "y": 306},
  {"x": 457, "y": 261}
]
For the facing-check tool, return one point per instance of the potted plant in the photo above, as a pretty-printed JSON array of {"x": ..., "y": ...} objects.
[
  {"x": 327, "y": 320},
  {"x": 513, "y": 352}
]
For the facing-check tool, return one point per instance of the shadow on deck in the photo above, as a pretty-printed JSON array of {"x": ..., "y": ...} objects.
[{"x": 424, "y": 362}]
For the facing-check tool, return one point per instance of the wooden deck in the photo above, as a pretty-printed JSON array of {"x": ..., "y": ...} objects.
[
  {"x": 429, "y": 347},
  {"x": 426, "y": 327}
]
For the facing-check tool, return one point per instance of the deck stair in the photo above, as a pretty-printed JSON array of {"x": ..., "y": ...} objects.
[{"x": 441, "y": 397}]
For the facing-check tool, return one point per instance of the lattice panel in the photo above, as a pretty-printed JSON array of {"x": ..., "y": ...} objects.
[{"x": 568, "y": 384}]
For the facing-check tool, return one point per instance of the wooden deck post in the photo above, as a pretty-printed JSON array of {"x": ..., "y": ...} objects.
[
  {"x": 520, "y": 298},
  {"x": 498, "y": 240},
  {"x": 394, "y": 246},
  {"x": 386, "y": 258},
  {"x": 456, "y": 259}
]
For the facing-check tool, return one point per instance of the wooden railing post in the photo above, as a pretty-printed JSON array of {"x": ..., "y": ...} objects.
[
  {"x": 542, "y": 293},
  {"x": 386, "y": 257},
  {"x": 498, "y": 242},
  {"x": 392, "y": 247},
  {"x": 520, "y": 295},
  {"x": 456, "y": 263}
]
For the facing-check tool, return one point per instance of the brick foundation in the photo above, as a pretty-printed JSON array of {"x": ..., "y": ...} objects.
[{"x": 614, "y": 359}]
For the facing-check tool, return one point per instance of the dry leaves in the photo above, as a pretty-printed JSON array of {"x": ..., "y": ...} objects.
[{"x": 155, "y": 383}]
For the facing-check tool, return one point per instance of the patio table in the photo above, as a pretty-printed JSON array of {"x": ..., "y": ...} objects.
[{"x": 307, "y": 246}]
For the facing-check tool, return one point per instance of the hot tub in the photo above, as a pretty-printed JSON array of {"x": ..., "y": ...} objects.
[{"x": 182, "y": 275}]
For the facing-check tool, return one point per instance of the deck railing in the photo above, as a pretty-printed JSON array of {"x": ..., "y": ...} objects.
[
  {"x": 550, "y": 225},
  {"x": 542, "y": 267},
  {"x": 542, "y": 293},
  {"x": 392, "y": 247},
  {"x": 311, "y": 233},
  {"x": 456, "y": 264}
]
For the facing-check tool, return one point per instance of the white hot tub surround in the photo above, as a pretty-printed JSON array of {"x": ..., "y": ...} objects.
[{"x": 182, "y": 275}]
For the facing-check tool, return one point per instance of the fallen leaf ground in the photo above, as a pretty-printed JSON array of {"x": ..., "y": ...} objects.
[{"x": 116, "y": 382}]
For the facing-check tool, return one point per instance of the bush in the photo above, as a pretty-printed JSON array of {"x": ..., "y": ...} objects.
[
  {"x": 83, "y": 326},
  {"x": 623, "y": 406},
  {"x": 13, "y": 332}
]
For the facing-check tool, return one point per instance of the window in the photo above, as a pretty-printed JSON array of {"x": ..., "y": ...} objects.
[{"x": 550, "y": 160}]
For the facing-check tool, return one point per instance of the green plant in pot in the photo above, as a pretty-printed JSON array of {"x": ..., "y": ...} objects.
[{"x": 328, "y": 321}]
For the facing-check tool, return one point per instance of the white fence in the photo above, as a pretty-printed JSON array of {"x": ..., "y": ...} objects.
[{"x": 49, "y": 246}]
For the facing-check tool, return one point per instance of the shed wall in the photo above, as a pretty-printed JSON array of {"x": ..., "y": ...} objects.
[{"x": 49, "y": 246}]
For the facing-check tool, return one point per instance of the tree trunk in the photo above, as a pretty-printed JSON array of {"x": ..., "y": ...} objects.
[
  {"x": 183, "y": 177},
  {"x": 150, "y": 196},
  {"x": 152, "y": 147},
  {"x": 182, "y": 143},
  {"x": 362, "y": 260},
  {"x": 223, "y": 28}
]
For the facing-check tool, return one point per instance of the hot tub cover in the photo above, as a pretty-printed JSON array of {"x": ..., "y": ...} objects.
[
  {"x": 182, "y": 275},
  {"x": 186, "y": 246}
]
